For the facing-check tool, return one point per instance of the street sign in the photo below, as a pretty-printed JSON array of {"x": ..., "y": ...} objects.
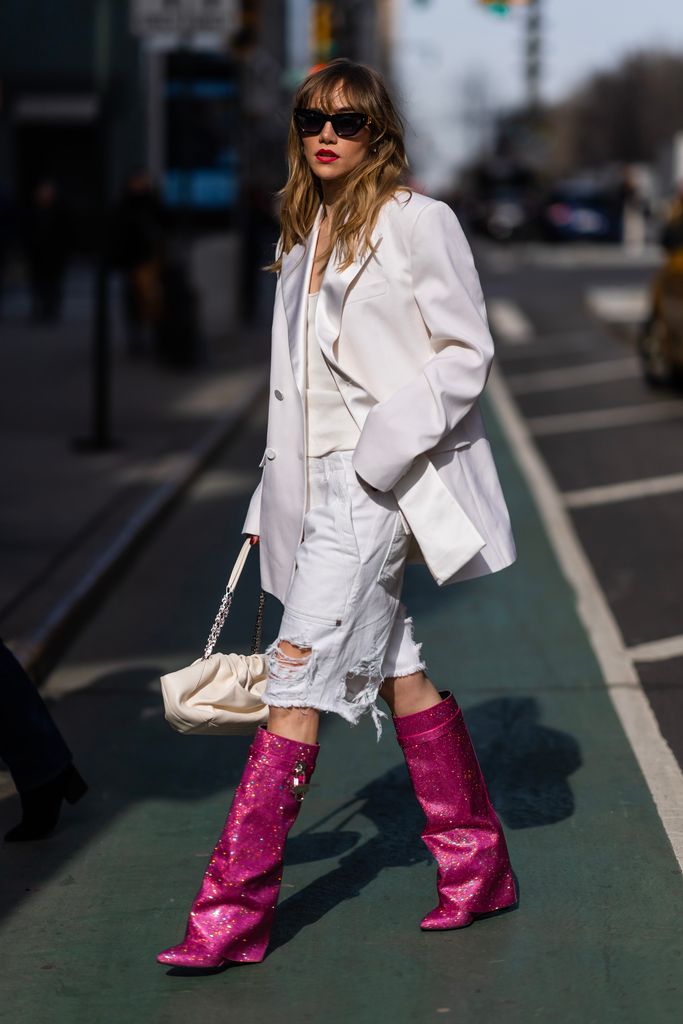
[{"x": 163, "y": 17}]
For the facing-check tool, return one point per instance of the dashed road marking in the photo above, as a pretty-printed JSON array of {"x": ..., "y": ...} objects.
[
  {"x": 573, "y": 376},
  {"x": 553, "y": 343},
  {"x": 658, "y": 650},
  {"x": 660, "y": 769},
  {"x": 628, "y": 490},
  {"x": 619, "y": 304},
  {"x": 596, "y": 419},
  {"x": 509, "y": 323}
]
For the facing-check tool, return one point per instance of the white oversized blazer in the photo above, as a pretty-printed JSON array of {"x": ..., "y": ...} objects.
[{"x": 406, "y": 337}]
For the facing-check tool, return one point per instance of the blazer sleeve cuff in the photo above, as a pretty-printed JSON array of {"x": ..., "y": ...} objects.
[
  {"x": 252, "y": 521},
  {"x": 382, "y": 474}
]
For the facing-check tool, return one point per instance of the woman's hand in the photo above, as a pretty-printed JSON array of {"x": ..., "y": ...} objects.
[{"x": 253, "y": 538}]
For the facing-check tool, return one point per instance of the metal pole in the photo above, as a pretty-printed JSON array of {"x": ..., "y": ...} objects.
[
  {"x": 100, "y": 439},
  {"x": 534, "y": 55}
]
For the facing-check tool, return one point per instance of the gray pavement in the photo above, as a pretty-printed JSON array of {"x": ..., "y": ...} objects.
[{"x": 596, "y": 937}]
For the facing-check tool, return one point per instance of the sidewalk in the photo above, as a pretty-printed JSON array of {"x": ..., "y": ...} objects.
[
  {"x": 69, "y": 520},
  {"x": 596, "y": 937}
]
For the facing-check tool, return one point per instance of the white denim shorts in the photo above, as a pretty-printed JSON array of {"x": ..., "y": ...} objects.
[{"x": 344, "y": 599}]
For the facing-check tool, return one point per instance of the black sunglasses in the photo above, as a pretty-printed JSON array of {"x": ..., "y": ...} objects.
[{"x": 310, "y": 121}]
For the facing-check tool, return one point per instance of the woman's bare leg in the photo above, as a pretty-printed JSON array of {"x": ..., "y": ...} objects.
[
  {"x": 299, "y": 724},
  {"x": 406, "y": 695}
]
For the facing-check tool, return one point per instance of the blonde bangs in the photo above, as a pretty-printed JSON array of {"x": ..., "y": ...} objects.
[{"x": 367, "y": 188}]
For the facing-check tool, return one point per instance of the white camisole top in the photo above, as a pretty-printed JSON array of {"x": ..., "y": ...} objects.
[{"x": 330, "y": 427}]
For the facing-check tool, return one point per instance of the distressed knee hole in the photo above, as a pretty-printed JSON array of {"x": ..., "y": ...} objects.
[
  {"x": 292, "y": 652},
  {"x": 365, "y": 676},
  {"x": 290, "y": 660}
]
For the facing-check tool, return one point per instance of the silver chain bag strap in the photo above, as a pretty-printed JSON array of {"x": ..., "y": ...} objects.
[{"x": 220, "y": 694}]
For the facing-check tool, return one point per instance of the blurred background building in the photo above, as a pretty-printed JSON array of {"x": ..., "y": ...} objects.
[
  {"x": 510, "y": 116},
  {"x": 194, "y": 92},
  {"x": 173, "y": 82}
]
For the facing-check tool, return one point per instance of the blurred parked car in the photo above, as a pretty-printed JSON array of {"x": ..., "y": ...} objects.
[
  {"x": 581, "y": 210},
  {"x": 504, "y": 216},
  {"x": 501, "y": 197}
]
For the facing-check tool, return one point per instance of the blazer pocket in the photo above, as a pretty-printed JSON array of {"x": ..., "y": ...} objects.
[
  {"x": 449, "y": 445},
  {"x": 366, "y": 290},
  {"x": 396, "y": 553}
]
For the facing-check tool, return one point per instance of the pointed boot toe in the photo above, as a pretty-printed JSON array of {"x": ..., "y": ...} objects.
[
  {"x": 440, "y": 919},
  {"x": 187, "y": 955}
]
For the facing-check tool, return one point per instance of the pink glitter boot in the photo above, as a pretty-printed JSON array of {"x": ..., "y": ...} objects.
[
  {"x": 462, "y": 830},
  {"x": 232, "y": 914}
]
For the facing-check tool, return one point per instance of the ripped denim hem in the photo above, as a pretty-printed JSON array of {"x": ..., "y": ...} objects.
[
  {"x": 396, "y": 673},
  {"x": 348, "y": 712}
]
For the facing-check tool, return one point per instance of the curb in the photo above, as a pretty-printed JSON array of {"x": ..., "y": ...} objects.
[{"x": 39, "y": 651}]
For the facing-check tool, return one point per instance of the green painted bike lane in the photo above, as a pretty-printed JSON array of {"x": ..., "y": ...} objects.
[{"x": 596, "y": 936}]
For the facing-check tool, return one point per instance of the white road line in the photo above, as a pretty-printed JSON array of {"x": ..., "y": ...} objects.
[
  {"x": 558, "y": 344},
  {"x": 657, "y": 762},
  {"x": 590, "y": 254},
  {"x": 596, "y": 419},
  {"x": 619, "y": 304},
  {"x": 573, "y": 376},
  {"x": 658, "y": 650},
  {"x": 628, "y": 490},
  {"x": 508, "y": 322}
]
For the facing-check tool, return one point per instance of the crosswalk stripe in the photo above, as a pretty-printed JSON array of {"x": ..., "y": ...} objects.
[
  {"x": 508, "y": 322},
  {"x": 619, "y": 304},
  {"x": 573, "y": 376},
  {"x": 658, "y": 650},
  {"x": 597, "y": 419},
  {"x": 628, "y": 490}
]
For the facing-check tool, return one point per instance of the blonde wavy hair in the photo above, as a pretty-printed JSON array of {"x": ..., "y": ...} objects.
[{"x": 366, "y": 188}]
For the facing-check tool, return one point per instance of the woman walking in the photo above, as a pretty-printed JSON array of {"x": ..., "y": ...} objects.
[{"x": 376, "y": 455}]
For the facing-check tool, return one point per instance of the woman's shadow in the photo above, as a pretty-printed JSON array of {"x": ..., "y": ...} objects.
[{"x": 526, "y": 766}]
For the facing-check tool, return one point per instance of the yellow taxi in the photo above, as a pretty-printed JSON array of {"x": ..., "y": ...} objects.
[{"x": 660, "y": 342}]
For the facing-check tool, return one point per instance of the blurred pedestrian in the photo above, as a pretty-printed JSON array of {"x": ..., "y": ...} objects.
[
  {"x": 376, "y": 446},
  {"x": 35, "y": 752},
  {"x": 671, "y": 237},
  {"x": 633, "y": 210},
  {"x": 137, "y": 251},
  {"x": 46, "y": 244}
]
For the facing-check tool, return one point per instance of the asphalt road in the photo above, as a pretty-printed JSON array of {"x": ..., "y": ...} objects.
[
  {"x": 597, "y": 425},
  {"x": 596, "y": 936}
]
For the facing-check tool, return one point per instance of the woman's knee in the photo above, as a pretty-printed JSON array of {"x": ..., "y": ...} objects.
[
  {"x": 393, "y": 685},
  {"x": 410, "y": 693},
  {"x": 294, "y": 723},
  {"x": 286, "y": 651}
]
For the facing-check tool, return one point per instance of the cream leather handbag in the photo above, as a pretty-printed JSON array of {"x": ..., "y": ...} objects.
[{"x": 220, "y": 694}]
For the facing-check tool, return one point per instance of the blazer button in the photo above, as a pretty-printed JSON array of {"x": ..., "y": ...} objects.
[
  {"x": 278, "y": 394},
  {"x": 270, "y": 453}
]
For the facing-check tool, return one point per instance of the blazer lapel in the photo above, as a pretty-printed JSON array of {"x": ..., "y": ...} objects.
[
  {"x": 297, "y": 266},
  {"x": 333, "y": 289}
]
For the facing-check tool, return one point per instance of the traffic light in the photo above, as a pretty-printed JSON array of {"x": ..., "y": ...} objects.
[
  {"x": 322, "y": 35},
  {"x": 503, "y": 6}
]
